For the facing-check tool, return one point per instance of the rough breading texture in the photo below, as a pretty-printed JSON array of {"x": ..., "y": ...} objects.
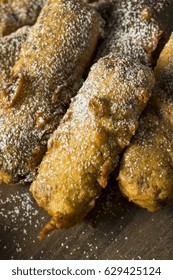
[
  {"x": 164, "y": 69},
  {"x": 10, "y": 47},
  {"x": 46, "y": 76},
  {"x": 135, "y": 28},
  {"x": 146, "y": 173},
  {"x": 85, "y": 148},
  {"x": 17, "y": 13}
]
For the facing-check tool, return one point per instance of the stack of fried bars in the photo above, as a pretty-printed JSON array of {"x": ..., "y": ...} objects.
[{"x": 79, "y": 83}]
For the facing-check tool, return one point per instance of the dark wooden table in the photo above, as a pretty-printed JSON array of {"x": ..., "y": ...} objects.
[{"x": 120, "y": 230}]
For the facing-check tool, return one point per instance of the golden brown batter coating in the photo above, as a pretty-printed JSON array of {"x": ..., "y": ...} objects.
[
  {"x": 43, "y": 81},
  {"x": 164, "y": 68},
  {"x": 10, "y": 47},
  {"x": 17, "y": 13},
  {"x": 146, "y": 173},
  {"x": 135, "y": 28},
  {"x": 85, "y": 148}
]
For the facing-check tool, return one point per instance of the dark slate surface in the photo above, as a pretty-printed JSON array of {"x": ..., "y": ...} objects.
[{"x": 120, "y": 230}]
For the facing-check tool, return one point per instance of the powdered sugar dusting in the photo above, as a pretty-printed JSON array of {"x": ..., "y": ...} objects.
[
  {"x": 85, "y": 148},
  {"x": 10, "y": 47},
  {"x": 46, "y": 76},
  {"x": 21, "y": 219},
  {"x": 20, "y": 201},
  {"x": 164, "y": 68},
  {"x": 15, "y": 14},
  {"x": 18, "y": 214},
  {"x": 134, "y": 28},
  {"x": 146, "y": 175}
]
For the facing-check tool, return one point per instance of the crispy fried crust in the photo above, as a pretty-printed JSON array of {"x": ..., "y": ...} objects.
[
  {"x": 164, "y": 69},
  {"x": 43, "y": 81},
  {"x": 10, "y": 47},
  {"x": 135, "y": 28},
  {"x": 146, "y": 173},
  {"x": 85, "y": 148},
  {"x": 17, "y": 13}
]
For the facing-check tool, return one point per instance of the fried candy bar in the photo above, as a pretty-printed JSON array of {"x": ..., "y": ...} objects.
[
  {"x": 85, "y": 148},
  {"x": 146, "y": 172},
  {"x": 135, "y": 29},
  {"x": 46, "y": 76}
]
